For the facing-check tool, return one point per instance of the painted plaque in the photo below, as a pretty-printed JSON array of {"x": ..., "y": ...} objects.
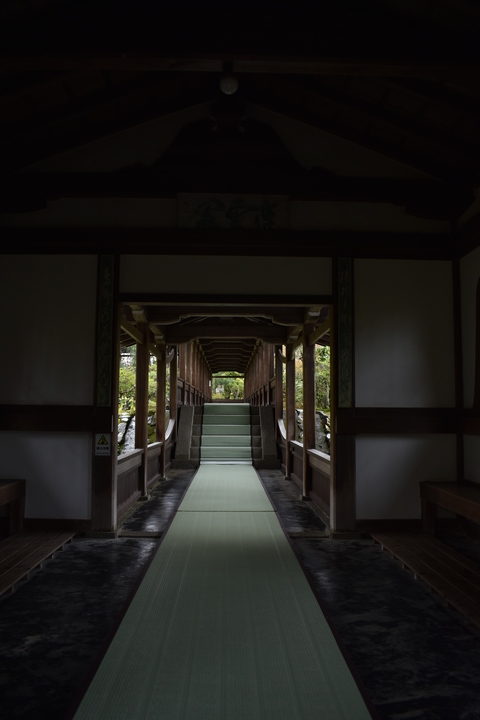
[{"x": 249, "y": 212}]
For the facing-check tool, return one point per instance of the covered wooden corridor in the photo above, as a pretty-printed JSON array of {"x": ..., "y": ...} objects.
[
  {"x": 257, "y": 341},
  {"x": 238, "y": 189}
]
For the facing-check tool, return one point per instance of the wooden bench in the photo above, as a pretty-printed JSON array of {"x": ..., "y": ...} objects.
[
  {"x": 12, "y": 494},
  {"x": 24, "y": 552},
  {"x": 460, "y": 498},
  {"x": 449, "y": 573}
]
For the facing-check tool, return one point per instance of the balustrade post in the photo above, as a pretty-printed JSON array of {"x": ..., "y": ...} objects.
[
  {"x": 278, "y": 385},
  {"x": 308, "y": 409},
  {"x": 174, "y": 389},
  {"x": 141, "y": 406},
  {"x": 290, "y": 409},
  {"x": 161, "y": 402}
]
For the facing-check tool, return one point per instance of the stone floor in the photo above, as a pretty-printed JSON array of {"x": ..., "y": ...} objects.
[{"x": 413, "y": 657}]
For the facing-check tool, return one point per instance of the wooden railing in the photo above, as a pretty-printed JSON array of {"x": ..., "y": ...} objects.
[
  {"x": 128, "y": 474},
  {"x": 320, "y": 464},
  {"x": 130, "y": 468}
]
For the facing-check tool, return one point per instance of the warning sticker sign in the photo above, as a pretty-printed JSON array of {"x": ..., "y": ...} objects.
[{"x": 103, "y": 444}]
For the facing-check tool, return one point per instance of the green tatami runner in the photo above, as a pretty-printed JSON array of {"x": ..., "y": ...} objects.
[
  {"x": 226, "y": 487},
  {"x": 224, "y": 625}
]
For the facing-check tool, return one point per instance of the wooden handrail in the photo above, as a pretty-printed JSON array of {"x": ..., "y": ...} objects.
[{"x": 129, "y": 460}]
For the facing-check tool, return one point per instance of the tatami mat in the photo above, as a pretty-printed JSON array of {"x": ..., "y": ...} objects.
[
  {"x": 223, "y": 627},
  {"x": 226, "y": 487}
]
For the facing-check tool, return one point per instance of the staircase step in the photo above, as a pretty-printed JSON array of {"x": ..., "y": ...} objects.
[
  {"x": 226, "y": 430},
  {"x": 226, "y": 409},
  {"x": 226, "y": 441},
  {"x": 225, "y": 452},
  {"x": 226, "y": 419}
]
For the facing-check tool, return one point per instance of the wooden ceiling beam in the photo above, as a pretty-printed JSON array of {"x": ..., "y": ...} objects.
[
  {"x": 280, "y": 316},
  {"x": 218, "y": 346},
  {"x": 131, "y": 330},
  {"x": 179, "y": 241},
  {"x": 35, "y": 190},
  {"x": 184, "y": 333},
  {"x": 99, "y": 119},
  {"x": 239, "y": 62},
  {"x": 430, "y": 135},
  {"x": 314, "y": 108}
]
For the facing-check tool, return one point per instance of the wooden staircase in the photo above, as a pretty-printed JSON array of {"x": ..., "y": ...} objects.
[{"x": 226, "y": 433}]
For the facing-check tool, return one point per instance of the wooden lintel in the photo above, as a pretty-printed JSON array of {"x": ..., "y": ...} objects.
[
  {"x": 184, "y": 333},
  {"x": 284, "y": 243},
  {"x": 279, "y": 315},
  {"x": 430, "y": 197},
  {"x": 143, "y": 62}
]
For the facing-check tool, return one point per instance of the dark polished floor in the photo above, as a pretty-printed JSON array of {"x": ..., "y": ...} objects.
[{"x": 413, "y": 657}]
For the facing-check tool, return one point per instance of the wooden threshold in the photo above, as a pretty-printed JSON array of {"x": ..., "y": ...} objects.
[
  {"x": 24, "y": 552},
  {"x": 449, "y": 573}
]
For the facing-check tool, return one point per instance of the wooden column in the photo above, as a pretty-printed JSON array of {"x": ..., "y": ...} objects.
[
  {"x": 141, "y": 406},
  {"x": 278, "y": 384},
  {"x": 182, "y": 348},
  {"x": 290, "y": 401},
  {"x": 342, "y": 447},
  {"x": 458, "y": 349},
  {"x": 195, "y": 370},
  {"x": 173, "y": 388},
  {"x": 161, "y": 402},
  {"x": 107, "y": 353},
  {"x": 187, "y": 373},
  {"x": 308, "y": 409}
]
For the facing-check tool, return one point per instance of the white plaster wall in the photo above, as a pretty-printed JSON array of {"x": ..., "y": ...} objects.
[
  {"x": 404, "y": 342},
  {"x": 469, "y": 275},
  {"x": 388, "y": 470},
  {"x": 48, "y": 329},
  {"x": 57, "y": 468},
  {"x": 471, "y": 445},
  {"x": 224, "y": 275}
]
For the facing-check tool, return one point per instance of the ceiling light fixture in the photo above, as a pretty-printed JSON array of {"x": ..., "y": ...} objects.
[{"x": 228, "y": 82}]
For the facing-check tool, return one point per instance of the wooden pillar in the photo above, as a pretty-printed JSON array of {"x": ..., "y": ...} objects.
[
  {"x": 141, "y": 406},
  {"x": 278, "y": 384},
  {"x": 173, "y": 388},
  {"x": 181, "y": 350},
  {"x": 188, "y": 365},
  {"x": 290, "y": 402},
  {"x": 104, "y": 460},
  {"x": 342, "y": 494},
  {"x": 161, "y": 402},
  {"x": 459, "y": 386},
  {"x": 308, "y": 409},
  {"x": 196, "y": 373}
]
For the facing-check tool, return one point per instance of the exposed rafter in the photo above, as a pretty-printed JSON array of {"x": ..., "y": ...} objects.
[{"x": 311, "y": 106}]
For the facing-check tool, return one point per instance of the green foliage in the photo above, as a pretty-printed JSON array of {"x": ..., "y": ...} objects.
[
  {"x": 322, "y": 378},
  {"x": 126, "y": 388},
  {"x": 227, "y": 388},
  {"x": 126, "y": 391}
]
